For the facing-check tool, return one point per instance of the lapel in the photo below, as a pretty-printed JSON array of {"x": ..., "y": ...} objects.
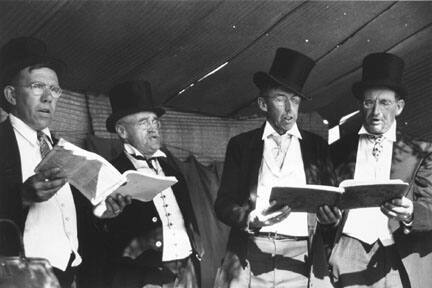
[
  {"x": 10, "y": 152},
  {"x": 10, "y": 176},
  {"x": 253, "y": 158},
  {"x": 122, "y": 163},
  {"x": 405, "y": 163},
  {"x": 307, "y": 155}
]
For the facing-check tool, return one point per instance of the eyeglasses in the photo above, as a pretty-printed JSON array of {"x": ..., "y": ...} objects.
[
  {"x": 147, "y": 123},
  {"x": 38, "y": 88},
  {"x": 369, "y": 103}
]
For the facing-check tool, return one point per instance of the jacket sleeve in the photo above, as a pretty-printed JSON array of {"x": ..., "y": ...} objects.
[
  {"x": 422, "y": 195},
  {"x": 229, "y": 205}
]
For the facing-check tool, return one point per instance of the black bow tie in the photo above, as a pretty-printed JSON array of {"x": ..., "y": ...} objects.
[{"x": 148, "y": 160}]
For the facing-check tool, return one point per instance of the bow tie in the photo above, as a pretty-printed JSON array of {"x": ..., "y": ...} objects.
[{"x": 147, "y": 160}]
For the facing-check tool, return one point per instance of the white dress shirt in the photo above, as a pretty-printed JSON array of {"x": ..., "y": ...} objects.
[
  {"x": 370, "y": 224},
  {"x": 289, "y": 174},
  {"x": 176, "y": 244},
  {"x": 50, "y": 229}
]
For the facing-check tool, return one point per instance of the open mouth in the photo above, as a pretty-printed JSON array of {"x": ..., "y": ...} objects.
[
  {"x": 154, "y": 137},
  {"x": 45, "y": 111}
]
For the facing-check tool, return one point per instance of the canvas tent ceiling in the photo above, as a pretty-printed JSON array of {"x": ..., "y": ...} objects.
[{"x": 173, "y": 44}]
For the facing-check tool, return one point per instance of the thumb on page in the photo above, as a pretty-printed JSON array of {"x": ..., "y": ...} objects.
[{"x": 100, "y": 209}]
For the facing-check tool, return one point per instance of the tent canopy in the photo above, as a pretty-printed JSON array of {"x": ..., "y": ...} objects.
[{"x": 175, "y": 44}]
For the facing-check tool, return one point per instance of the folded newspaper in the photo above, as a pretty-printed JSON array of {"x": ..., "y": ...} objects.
[
  {"x": 349, "y": 195},
  {"x": 96, "y": 178}
]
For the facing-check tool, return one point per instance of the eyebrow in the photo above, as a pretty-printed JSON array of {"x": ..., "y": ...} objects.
[{"x": 147, "y": 118}]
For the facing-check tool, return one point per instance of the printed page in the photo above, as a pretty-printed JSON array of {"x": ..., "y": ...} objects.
[
  {"x": 140, "y": 186},
  {"x": 306, "y": 198},
  {"x": 361, "y": 194},
  {"x": 144, "y": 187},
  {"x": 90, "y": 173}
]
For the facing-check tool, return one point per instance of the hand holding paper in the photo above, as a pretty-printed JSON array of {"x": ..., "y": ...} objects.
[
  {"x": 401, "y": 209},
  {"x": 96, "y": 178},
  {"x": 268, "y": 216},
  {"x": 42, "y": 186},
  {"x": 349, "y": 195}
]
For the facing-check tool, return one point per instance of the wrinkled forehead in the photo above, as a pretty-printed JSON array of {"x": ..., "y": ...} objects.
[
  {"x": 139, "y": 116},
  {"x": 379, "y": 93},
  {"x": 38, "y": 74},
  {"x": 278, "y": 91}
]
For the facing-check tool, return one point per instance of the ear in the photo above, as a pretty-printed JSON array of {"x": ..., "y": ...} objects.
[
  {"x": 262, "y": 104},
  {"x": 121, "y": 131},
  {"x": 400, "y": 104},
  {"x": 10, "y": 95}
]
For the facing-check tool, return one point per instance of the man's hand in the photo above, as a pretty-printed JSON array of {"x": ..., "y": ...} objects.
[
  {"x": 399, "y": 208},
  {"x": 42, "y": 186},
  {"x": 329, "y": 215},
  {"x": 268, "y": 216},
  {"x": 115, "y": 205}
]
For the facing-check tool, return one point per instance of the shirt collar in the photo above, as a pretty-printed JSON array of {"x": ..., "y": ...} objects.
[
  {"x": 133, "y": 151},
  {"x": 389, "y": 135},
  {"x": 26, "y": 131},
  {"x": 269, "y": 130}
]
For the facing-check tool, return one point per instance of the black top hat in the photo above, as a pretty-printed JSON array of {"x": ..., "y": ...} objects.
[
  {"x": 23, "y": 52},
  {"x": 290, "y": 70},
  {"x": 381, "y": 70},
  {"x": 129, "y": 98}
]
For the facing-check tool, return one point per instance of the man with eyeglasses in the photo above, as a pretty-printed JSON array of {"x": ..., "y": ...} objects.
[
  {"x": 391, "y": 245},
  {"x": 48, "y": 211},
  {"x": 150, "y": 244}
]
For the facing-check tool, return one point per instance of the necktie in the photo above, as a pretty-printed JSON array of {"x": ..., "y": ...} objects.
[
  {"x": 149, "y": 161},
  {"x": 43, "y": 144},
  {"x": 378, "y": 146},
  {"x": 281, "y": 148}
]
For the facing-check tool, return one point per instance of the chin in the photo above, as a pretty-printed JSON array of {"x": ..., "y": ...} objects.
[{"x": 375, "y": 130}]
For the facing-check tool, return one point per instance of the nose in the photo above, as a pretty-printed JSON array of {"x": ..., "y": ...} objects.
[
  {"x": 47, "y": 96},
  {"x": 288, "y": 106},
  {"x": 376, "y": 108}
]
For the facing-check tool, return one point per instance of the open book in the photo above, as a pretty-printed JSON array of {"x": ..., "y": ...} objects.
[
  {"x": 349, "y": 195},
  {"x": 96, "y": 178}
]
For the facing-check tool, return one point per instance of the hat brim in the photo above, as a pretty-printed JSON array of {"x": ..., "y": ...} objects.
[
  {"x": 46, "y": 61},
  {"x": 359, "y": 87},
  {"x": 263, "y": 81},
  {"x": 114, "y": 117}
]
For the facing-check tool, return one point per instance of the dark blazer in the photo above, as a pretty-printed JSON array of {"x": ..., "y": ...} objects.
[
  {"x": 412, "y": 163},
  {"x": 11, "y": 205},
  {"x": 11, "y": 178},
  {"x": 141, "y": 218},
  {"x": 237, "y": 193}
]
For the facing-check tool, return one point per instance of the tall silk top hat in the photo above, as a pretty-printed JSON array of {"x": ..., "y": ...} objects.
[
  {"x": 129, "y": 98},
  {"x": 289, "y": 69},
  {"x": 23, "y": 52},
  {"x": 381, "y": 70}
]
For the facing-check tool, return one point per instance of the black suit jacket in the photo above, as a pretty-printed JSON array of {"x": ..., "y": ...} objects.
[
  {"x": 141, "y": 218},
  {"x": 11, "y": 204},
  {"x": 412, "y": 163},
  {"x": 237, "y": 193}
]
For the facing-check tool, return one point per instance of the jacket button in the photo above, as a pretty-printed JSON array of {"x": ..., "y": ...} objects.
[
  {"x": 154, "y": 219},
  {"x": 158, "y": 244}
]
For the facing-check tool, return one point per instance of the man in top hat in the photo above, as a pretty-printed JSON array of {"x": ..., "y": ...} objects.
[
  {"x": 48, "y": 211},
  {"x": 150, "y": 243},
  {"x": 268, "y": 246},
  {"x": 387, "y": 246}
]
